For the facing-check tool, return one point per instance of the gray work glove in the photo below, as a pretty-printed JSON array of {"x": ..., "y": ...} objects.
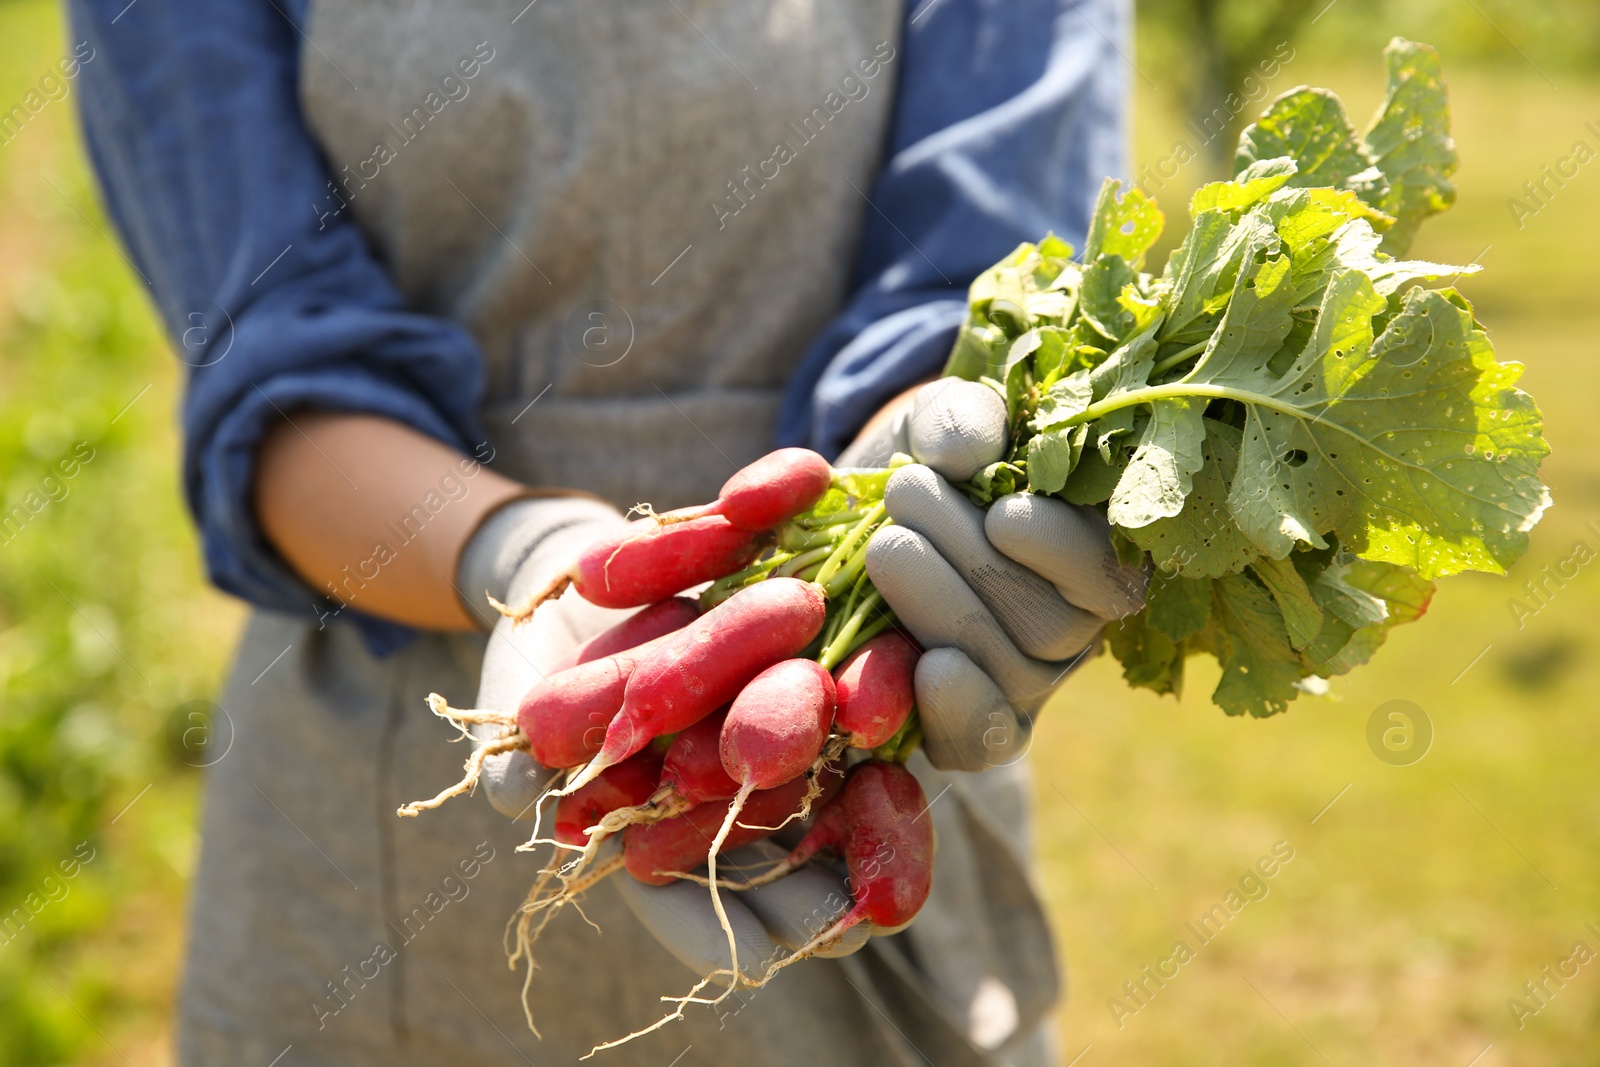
[
  {"x": 1005, "y": 601},
  {"x": 768, "y": 922},
  {"x": 515, "y": 552}
]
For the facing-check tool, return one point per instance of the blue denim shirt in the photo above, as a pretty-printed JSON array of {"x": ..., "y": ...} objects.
[{"x": 1009, "y": 114}]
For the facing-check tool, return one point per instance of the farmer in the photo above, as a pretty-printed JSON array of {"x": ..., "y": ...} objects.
[{"x": 456, "y": 283}]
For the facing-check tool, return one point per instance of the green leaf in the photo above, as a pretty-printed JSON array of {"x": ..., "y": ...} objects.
[
  {"x": 1194, "y": 270},
  {"x": 980, "y": 350},
  {"x": 1259, "y": 668},
  {"x": 1105, "y": 431},
  {"x": 1202, "y": 540},
  {"x": 1123, "y": 226},
  {"x": 1054, "y": 248},
  {"x": 1159, "y": 476},
  {"x": 995, "y": 481},
  {"x": 1302, "y": 614},
  {"x": 1150, "y": 659},
  {"x": 1362, "y": 601},
  {"x": 1410, "y": 141},
  {"x": 1178, "y": 607},
  {"x": 1016, "y": 372},
  {"x": 1055, "y": 350},
  {"x": 1248, "y": 188},
  {"x": 1257, "y": 322},
  {"x": 1405, "y": 593},
  {"x": 1092, "y": 480},
  {"x": 1128, "y": 367},
  {"x": 1064, "y": 401},
  {"x": 1050, "y": 460},
  {"x": 1415, "y": 447},
  {"x": 1310, "y": 127},
  {"x": 1103, "y": 282}
]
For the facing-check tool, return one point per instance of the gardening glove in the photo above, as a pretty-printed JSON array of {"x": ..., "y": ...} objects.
[
  {"x": 515, "y": 552},
  {"x": 768, "y": 921},
  {"x": 1005, "y": 601}
]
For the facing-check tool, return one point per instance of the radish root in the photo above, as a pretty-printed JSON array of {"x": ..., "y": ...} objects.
[
  {"x": 812, "y": 947},
  {"x": 670, "y": 518},
  {"x": 524, "y": 611},
  {"x": 544, "y": 907},
  {"x": 461, "y": 719},
  {"x": 665, "y": 804},
  {"x": 469, "y": 781},
  {"x": 716, "y": 892}
]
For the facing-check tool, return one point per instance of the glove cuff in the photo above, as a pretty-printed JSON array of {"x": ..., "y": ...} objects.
[{"x": 515, "y": 533}]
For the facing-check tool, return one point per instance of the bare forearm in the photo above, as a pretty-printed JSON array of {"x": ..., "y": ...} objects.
[{"x": 375, "y": 514}]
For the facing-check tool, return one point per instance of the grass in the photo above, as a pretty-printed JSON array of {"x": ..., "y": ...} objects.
[{"x": 1414, "y": 907}]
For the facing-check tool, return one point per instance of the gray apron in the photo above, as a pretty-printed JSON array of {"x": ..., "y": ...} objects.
[{"x": 643, "y": 210}]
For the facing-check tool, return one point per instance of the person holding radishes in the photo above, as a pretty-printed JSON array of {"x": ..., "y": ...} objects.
[{"x": 561, "y": 259}]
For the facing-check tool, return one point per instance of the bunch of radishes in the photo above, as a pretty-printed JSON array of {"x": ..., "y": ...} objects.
[{"x": 680, "y": 727}]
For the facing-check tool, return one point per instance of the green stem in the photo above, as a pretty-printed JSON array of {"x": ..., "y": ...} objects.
[
  {"x": 838, "y": 617},
  {"x": 1152, "y": 393},
  {"x": 847, "y": 574},
  {"x": 1178, "y": 357},
  {"x": 817, "y": 522},
  {"x": 847, "y": 545},
  {"x": 800, "y": 562},
  {"x": 890, "y": 748},
  {"x": 729, "y": 584},
  {"x": 911, "y": 741},
  {"x": 801, "y": 539},
  {"x": 844, "y": 642},
  {"x": 874, "y": 628}
]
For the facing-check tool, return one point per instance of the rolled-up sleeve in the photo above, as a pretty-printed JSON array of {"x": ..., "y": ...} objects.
[
  {"x": 1009, "y": 116},
  {"x": 269, "y": 291}
]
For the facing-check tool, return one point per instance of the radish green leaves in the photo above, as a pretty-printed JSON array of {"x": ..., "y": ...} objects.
[{"x": 1294, "y": 428}]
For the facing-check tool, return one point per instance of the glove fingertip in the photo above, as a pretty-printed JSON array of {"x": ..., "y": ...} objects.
[{"x": 958, "y": 427}]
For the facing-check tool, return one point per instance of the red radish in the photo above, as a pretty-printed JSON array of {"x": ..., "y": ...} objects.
[
  {"x": 776, "y": 487},
  {"x": 880, "y": 824},
  {"x": 705, "y": 665},
  {"x": 650, "y": 561},
  {"x": 777, "y": 724},
  {"x": 654, "y": 852},
  {"x": 565, "y": 716},
  {"x": 628, "y": 783},
  {"x": 773, "y": 733},
  {"x": 888, "y": 845},
  {"x": 875, "y": 689},
  {"x": 693, "y": 769},
  {"x": 655, "y": 621},
  {"x": 690, "y": 774}
]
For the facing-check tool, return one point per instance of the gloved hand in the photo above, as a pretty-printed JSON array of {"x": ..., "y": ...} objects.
[
  {"x": 516, "y": 551},
  {"x": 768, "y": 921},
  {"x": 513, "y": 553},
  {"x": 1005, "y": 601}
]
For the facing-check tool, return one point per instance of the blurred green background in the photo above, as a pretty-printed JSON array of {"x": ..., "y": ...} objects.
[{"x": 1415, "y": 906}]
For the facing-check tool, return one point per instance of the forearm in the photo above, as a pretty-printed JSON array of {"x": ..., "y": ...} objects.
[{"x": 374, "y": 513}]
